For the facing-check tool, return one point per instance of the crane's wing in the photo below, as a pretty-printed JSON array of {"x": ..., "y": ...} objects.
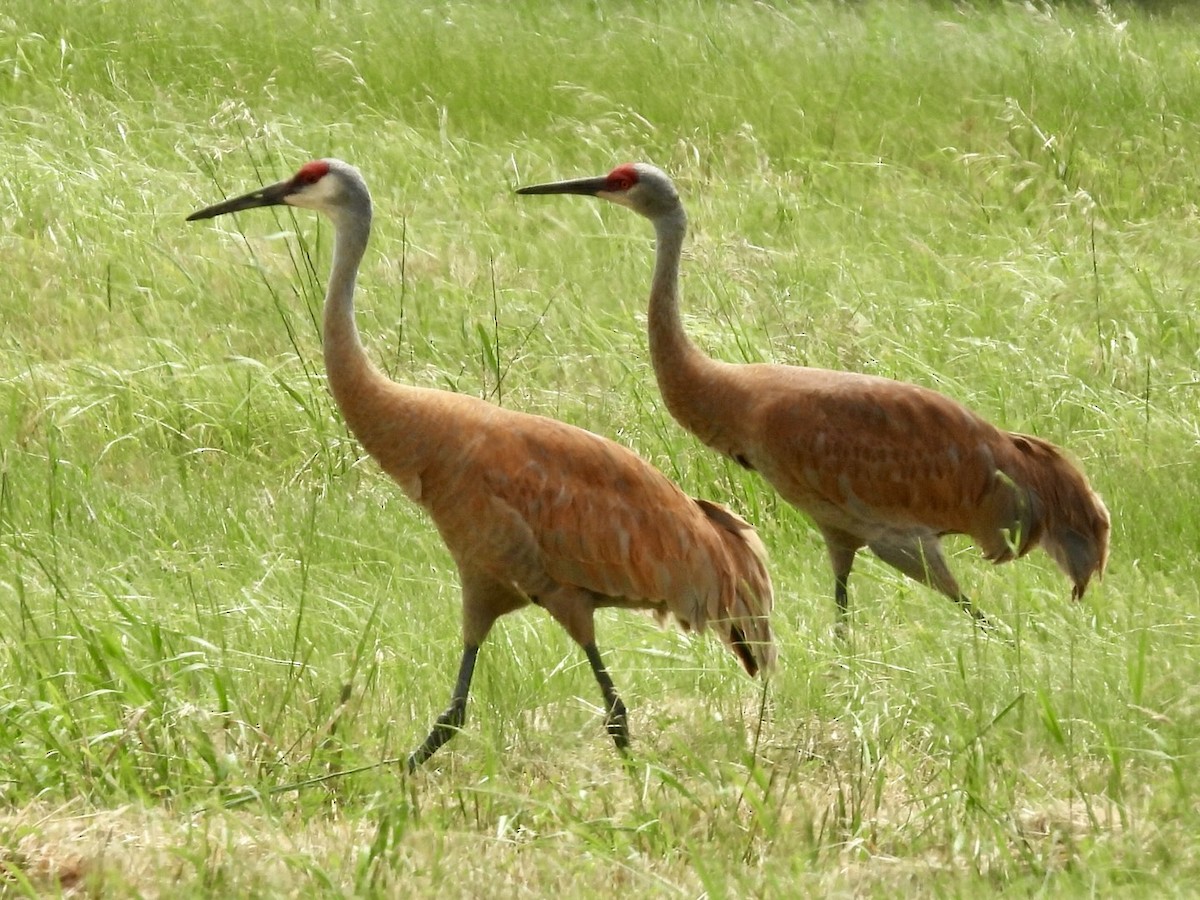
[
  {"x": 604, "y": 518},
  {"x": 882, "y": 451},
  {"x": 539, "y": 503}
]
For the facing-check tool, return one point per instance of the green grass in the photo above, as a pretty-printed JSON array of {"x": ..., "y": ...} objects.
[{"x": 219, "y": 624}]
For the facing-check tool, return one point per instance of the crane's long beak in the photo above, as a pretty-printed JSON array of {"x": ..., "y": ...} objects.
[
  {"x": 272, "y": 195},
  {"x": 589, "y": 187}
]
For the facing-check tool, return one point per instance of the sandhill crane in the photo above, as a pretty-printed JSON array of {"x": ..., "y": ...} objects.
[
  {"x": 531, "y": 509},
  {"x": 874, "y": 462}
]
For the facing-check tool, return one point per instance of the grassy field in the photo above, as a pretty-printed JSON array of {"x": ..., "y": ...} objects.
[{"x": 220, "y": 625}]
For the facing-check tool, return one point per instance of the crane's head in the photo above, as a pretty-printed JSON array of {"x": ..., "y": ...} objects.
[
  {"x": 640, "y": 186},
  {"x": 328, "y": 185}
]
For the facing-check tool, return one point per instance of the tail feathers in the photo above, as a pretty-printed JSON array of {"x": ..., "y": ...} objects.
[
  {"x": 744, "y": 620},
  {"x": 1070, "y": 521}
]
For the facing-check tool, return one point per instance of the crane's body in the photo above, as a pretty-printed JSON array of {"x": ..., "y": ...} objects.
[
  {"x": 530, "y": 508},
  {"x": 874, "y": 462}
]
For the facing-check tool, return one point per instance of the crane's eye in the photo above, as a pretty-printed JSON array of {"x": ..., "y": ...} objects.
[{"x": 622, "y": 178}]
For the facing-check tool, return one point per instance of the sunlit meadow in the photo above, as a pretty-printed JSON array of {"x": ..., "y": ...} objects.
[{"x": 221, "y": 626}]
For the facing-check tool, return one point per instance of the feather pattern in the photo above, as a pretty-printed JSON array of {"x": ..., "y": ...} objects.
[
  {"x": 874, "y": 462},
  {"x": 529, "y": 508}
]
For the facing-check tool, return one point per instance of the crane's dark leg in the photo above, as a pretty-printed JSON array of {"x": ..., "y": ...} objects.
[
  {"x": 842, "y": 548},
  {"x": 922, "y": 560},
  {"x": 616, "y": 721},
  {"x": 841, "y": 596},
  {"x": 574, "y": 609},
  {"x": 449, "y": 722}
]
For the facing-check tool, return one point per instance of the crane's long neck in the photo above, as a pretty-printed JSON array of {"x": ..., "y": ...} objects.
[
  {"x": 686, "y": 377},
  {"x": 350, "y": 372},
  {"x": 401, "y": 426}
]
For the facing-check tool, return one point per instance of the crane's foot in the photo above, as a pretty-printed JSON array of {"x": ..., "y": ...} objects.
[
  {"x": 616, "y": 720},
  {"x": 617, "y": 725},
  {"x": 980, "y": 619},
  {"x": 448, "y": 724},
  {"x": 990, "y": 628}
]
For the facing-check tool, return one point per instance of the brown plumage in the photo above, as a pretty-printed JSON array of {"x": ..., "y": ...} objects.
[
  {"x": 531, "y": 509},
  {"x": 876, "y": 463}
]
